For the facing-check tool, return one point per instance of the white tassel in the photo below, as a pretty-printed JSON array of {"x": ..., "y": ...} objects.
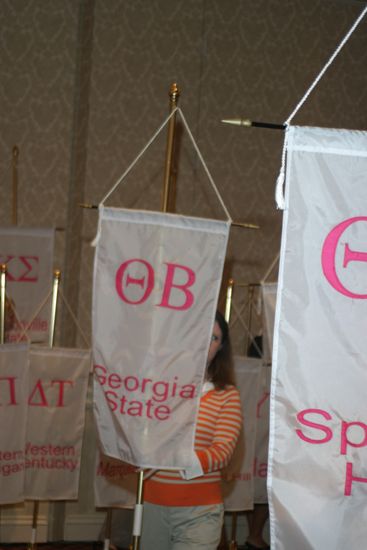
[
  {"x": 96, "y": 238},
  {"x": 279, "y": 190}
]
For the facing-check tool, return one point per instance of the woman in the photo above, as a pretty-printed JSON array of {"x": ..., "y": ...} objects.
[{"x": 184, "y": 511}]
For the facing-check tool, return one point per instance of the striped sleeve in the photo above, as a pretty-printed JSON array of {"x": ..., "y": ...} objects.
[{"x": 218, "y": 428}]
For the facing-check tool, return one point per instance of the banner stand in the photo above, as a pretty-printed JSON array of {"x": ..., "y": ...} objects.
[
  {"x": 3, "y": 270},
  {"x": 57, "y": 275}
]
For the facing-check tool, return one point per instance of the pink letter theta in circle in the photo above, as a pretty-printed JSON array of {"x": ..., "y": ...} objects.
[
  {"x": 349, "y": 478},
  {"x": 123, "y": 283},
  {"x": 329, "y": 253},
  {"x": 302, "y": 420},
  {"x": 169, "y": 284}
]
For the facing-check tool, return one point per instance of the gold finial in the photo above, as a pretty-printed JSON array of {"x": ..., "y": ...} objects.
[{"x": 174, "y": 93}]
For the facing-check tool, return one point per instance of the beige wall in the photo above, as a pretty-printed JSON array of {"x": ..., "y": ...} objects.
[{"x": 85, "y": 84}]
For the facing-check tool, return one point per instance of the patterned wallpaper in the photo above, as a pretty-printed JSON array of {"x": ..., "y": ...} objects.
[{"x": 85, "y": 84}]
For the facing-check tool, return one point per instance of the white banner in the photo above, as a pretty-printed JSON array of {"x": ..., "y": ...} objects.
[
  {"x": 115, "y": 483},
  {"x": 58, "y": 383},
  {"x": 42, "y": 406},
  {"x": 318, "y": 437},
  {"x": 238, "y": 487},
  {"x": 28, "y": 254},
  {"x": 14, "y": 363},
  {"x": 156, "y": 285}
]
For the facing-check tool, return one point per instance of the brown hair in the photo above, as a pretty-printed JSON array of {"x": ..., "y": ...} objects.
[{"x": 220, "y": 370}]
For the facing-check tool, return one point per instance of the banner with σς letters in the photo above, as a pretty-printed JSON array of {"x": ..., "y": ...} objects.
[
  {"x": 156, "y": 286},
  {"x": 238, "y": 478},
  {"x": 318, "y": 425},
  {"x": 28, "y": 255},
  {"x": 43, "y": 398}
]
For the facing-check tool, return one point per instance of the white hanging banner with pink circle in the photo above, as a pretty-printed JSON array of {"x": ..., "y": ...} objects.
[{"x": 318, "y": 422}]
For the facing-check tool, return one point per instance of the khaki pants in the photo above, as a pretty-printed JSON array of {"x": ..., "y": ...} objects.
[{"x": 181, "y": 527}]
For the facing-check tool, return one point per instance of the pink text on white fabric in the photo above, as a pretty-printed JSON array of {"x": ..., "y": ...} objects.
[
  {"x": 135, "y": 280},
  {"x": 322, "y": 433},
  {"x": 118, "y": 389}
]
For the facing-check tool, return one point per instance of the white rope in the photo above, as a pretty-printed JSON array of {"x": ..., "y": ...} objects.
[
  {"x": 149, "y": 144},
  {"x": 25, "y": 331},
  {"x": 247, "y": 329},
  {"x": 270, "y": 269},
  {"x": 205, "y": 166},
  {"x": 74, "y": 318},
  {"x": 318, "y": 78},
  {"x": 129, "y": 168},
  {"x": 279, "y": 188}
]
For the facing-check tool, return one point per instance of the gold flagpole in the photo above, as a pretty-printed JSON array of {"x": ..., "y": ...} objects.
[
  {"x": 173, "y": 95},
  {"x": 15, "y": 185},
  {"x": 51, "y": 338},
  {"x": 3, "y": 269}
]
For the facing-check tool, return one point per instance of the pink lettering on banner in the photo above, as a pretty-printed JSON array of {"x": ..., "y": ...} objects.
[
  {"x": 157, "y": 392},
  {"x": 146, "y": 281},
  {"x": 21, "y": 269},
  {"x": 349, "y": 478},
  {"x": 345, "y": 440},
  {"x": 169, "y": 284},
  {"x": 328, "y": 256},
  {"x": 260, "y": 403},
  {"x": 61, "y": 385},
  {"x": 8, "y": 390},
  {"x": 124, "y": 280},
  {"x": 301, "y": 417},
  {"x": 344, "y": 436}
]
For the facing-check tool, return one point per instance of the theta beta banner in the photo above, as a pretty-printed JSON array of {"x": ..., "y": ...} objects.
[
  {"x": 156, "y": 285},
  {"x": 318, "y": 435},
  {"x": 28, "y": 255}
]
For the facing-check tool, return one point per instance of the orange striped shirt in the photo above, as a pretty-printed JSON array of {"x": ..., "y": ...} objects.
[{"x": 217, "y": 431}]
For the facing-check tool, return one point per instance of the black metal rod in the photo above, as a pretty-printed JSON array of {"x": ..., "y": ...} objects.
[{"x": 252, "y": 123}]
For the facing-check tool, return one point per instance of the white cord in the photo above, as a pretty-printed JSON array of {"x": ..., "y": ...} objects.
[
  {"x": 271, "y": 267},
  {"x": 318, "y": 78},
  {"x": 205, "y": 166},
  {"x": 148, "y": 145},
  {"x": 279, "y": 188},
  {"x": 129, "y": 168}
]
